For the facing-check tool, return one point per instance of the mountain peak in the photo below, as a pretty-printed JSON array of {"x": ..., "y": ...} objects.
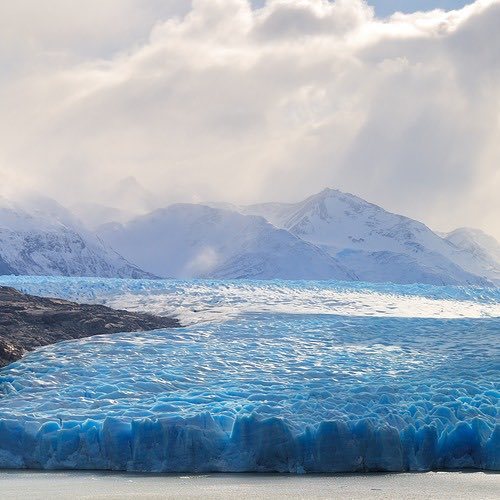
[
  {"x": 342, "y": 196},
  {"x": 197, "y": 241},
  {"x": 40, "y": 237},
  {"x": 327, "y": 192},
  {"x": 375, "y": 244}
]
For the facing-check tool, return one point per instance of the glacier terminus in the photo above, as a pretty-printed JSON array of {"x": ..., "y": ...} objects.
[{"x": 265, "y": 376}]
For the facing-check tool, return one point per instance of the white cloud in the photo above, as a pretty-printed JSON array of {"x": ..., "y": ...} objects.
[
  {"x": 238, "y": 104},
  {"x": 310, "y": 18}
]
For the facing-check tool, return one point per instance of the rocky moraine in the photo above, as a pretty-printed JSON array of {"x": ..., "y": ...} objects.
[{"x": 28, "y": 322}]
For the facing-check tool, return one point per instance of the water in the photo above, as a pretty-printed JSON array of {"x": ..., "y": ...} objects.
[
  {"x": 38, "y": 485},
  {"x": 287, "y": 376}
]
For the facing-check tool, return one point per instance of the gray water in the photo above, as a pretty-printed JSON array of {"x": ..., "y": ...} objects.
[{"x": 76, "y": 485}]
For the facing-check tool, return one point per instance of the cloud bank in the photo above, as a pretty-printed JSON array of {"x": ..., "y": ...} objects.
[{"x": 219, "y": 100}]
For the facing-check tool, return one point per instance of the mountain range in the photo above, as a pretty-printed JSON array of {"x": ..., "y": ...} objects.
[
  {"x": 379, "y": 245},
  {"x": 330, "y": 235},
  {"x": 40, "y": 237},
  {"x": 197, "y": 241}
]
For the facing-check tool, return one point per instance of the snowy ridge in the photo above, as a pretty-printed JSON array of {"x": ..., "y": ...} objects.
[
  {"x": 320, "y": 392},
  {"x": 483, "y": 250},
  {"x": 197, "y": 241},
  {"x": 377, "y": 245},
  {"x": 330, "y": 235},
  {"x": 40, "y": 237},
  {"x": 385, "y": 266}
]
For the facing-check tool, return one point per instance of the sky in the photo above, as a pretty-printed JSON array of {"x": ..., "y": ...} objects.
[
  {"x": 388, "y": 7},
  {"x": 239, "y": 101}
]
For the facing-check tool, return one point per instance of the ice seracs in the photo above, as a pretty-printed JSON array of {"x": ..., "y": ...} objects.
[
  {"x": 197, "y": 241},
  {"x": 384, "y": 378}
]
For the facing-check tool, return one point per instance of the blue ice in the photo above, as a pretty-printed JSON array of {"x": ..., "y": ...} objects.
[{"x": 287, "y": 377}]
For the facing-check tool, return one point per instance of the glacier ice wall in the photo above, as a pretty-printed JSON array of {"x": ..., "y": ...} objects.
[{"x": 300, "y": 377}]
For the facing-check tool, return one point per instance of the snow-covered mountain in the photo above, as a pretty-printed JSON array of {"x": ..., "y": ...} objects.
[
  {"x": 330, "y": 235},
  {"x": 475, "y": 240},
  {"x": 482, "y": 250},
  {"x": 40, "y": 237},
  {"x": 188, "y": 240},
  {"x": 375, "y": 244},
  {"x": 5, "y": 268}
]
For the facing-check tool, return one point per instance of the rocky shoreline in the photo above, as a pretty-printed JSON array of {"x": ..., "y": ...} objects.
[{"x": 28, "y": 322}]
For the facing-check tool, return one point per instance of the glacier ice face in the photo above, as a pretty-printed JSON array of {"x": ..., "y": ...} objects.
[{"x": 272, "y": 376}]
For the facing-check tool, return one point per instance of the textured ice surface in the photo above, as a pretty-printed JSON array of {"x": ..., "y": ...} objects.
[{"x": 264, "y": 377}]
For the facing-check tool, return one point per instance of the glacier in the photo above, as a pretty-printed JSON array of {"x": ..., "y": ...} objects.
[{"x": 266, "y": 376}]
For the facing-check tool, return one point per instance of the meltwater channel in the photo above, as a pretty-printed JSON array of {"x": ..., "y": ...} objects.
[{"x": 263, "y": 376}]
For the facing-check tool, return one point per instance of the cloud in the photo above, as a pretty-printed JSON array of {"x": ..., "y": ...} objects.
[
  {"x": 222, "y": 101},
  {"x": 55, "y": 29},
  {"x": 310, "y": 18},
  {"x": 203, "y": 263}
]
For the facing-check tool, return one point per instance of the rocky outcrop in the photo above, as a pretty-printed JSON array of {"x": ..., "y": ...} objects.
[{"x": 28, "y": 322}]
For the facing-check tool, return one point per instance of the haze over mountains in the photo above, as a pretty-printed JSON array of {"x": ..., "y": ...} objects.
[
  {"x": 330, "y": 235},
  {"x": 189, "y": 241}
]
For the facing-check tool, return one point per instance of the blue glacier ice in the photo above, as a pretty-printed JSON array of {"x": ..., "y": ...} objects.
[{"x": 263, "y": 376}]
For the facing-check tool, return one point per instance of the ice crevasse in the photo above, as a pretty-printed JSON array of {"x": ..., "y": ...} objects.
[{"x": 263, "y": 390}]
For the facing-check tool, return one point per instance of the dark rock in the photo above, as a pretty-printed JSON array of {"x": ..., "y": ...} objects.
[{"x": 28, "y": 322}]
